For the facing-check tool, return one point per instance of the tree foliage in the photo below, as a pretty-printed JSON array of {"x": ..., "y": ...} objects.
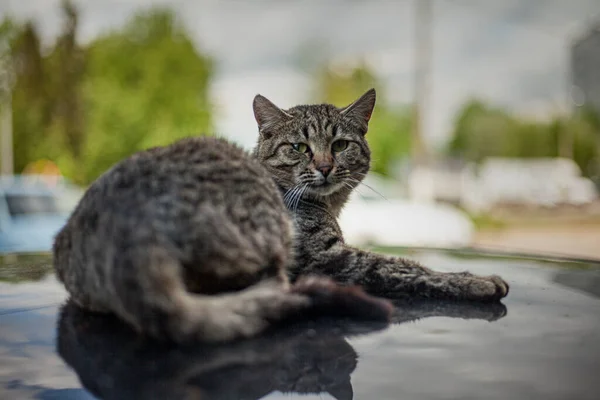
[
  {"x": 146, "y": 85},
  {"x": 482, "y": 131},
  {"x": 389, "y": 129},
  {"x": 85, "y": 108},
  {"x": 30, "y": 102}
]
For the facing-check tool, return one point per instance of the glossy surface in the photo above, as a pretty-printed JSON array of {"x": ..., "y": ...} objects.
[{"x": 543, "y": 343}]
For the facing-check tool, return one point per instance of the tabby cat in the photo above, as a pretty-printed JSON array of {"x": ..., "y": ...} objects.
[
  {"x": 194, "y": 241},
  {"x": 191, "y": 242},
  {"x": 317, "y": 154}
]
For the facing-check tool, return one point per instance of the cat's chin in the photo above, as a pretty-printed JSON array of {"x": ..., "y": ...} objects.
[{"x": 326, "y": 189}]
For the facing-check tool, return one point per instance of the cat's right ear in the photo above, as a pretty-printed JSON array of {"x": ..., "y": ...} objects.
[
  {"x": 362, "y": 109},
  {"x": 267, "y": 114}
]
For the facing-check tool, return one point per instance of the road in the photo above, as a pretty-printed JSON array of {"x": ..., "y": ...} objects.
[{"x": 574, "y": 240}]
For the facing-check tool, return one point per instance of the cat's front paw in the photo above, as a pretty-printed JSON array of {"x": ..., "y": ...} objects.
[{"x": 485, "y": 288}]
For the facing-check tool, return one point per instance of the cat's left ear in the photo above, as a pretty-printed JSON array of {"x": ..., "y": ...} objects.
[
  {"x": 267, "y": 114},
  {"x": 362, "y": 109}
]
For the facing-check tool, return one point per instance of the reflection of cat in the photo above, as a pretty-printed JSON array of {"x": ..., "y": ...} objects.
[{"x": 113, "y": 362}]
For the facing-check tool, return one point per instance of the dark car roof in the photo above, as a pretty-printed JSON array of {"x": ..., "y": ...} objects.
[{"x": 543, "y": 342}]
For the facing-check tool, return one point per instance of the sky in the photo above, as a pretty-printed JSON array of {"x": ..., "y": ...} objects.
[{"x": 513, "y": 53}]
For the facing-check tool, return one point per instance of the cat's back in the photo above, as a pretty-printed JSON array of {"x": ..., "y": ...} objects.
[
  {"x": 189, "y": 171},
  {"x": 171, "y": 191},
  {"x": 201, "y": 199},
  {"x": 186, "y": 164}
]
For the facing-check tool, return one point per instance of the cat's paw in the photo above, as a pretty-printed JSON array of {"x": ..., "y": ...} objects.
[
  {"x": 331, "y": 298},
  {"x": 486, "y": 288}
]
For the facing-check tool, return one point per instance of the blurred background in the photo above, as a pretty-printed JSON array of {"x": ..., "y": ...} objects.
[{"x": 486, "y": 132}]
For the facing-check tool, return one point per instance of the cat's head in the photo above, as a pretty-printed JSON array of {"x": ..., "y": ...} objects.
[{"x": 315, "y": 150}]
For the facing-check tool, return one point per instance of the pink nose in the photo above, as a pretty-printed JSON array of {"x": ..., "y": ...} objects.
[{"x": 324, "y": 169}]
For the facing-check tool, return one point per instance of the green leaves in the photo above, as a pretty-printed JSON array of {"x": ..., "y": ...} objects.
[
  {"x": 483, "y": 131},
  {"x": 389, "y": 127},
  {"x": 86, "y": 108},
  {"x": 146, "y": 86}
]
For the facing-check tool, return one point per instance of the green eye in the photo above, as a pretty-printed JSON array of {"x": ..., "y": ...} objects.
[
  {"x": 339, "y": 145},
  {"x": 301, "y": 147}
]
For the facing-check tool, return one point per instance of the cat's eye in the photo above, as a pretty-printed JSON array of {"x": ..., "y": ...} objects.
[
  {"x": 301, "y": 147},
  {"x": 339, "y": 145}
]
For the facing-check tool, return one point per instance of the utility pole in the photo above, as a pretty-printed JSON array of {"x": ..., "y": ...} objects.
[
  {"x": 421, "y": 184},
  {"x": 422, "y": 72},
  {"x": 6, "y": 131},
  {"x": 6, "y": 138}
]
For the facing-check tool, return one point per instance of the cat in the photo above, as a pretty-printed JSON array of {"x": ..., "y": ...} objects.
[
  {"x": 304, "y": 357},
  {"x": 317, "y": 154},
  {"x": 190, "y": 242}
]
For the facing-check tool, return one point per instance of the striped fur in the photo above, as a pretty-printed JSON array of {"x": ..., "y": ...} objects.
[{"x": 315, "y": 201}]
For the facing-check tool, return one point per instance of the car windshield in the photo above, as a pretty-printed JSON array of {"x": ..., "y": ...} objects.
[{"x": 42, "y": 203}]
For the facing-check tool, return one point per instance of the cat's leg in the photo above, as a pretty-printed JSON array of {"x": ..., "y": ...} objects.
[
  {"x": 394, "y": 276},
  {"x": 226, "y": 253},
  {"x": 321, "y": 250}
]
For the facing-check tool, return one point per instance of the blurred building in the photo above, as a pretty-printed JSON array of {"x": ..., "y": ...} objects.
[
  {"x": 585, "y": 68},
  {"x": 539, "y": 182}
]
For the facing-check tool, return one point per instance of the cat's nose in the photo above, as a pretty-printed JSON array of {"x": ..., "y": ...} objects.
[{"x": 324, "y": 169}]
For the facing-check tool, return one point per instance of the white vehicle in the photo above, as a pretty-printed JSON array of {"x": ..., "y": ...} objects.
[{"x": 386, "y": 219}]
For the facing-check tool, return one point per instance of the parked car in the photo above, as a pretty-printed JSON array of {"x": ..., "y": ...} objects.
[
  {"x": 33, "y": 208},
  {"x": 378, "y": 213}
]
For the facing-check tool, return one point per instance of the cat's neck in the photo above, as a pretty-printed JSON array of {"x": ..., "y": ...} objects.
[
  {"x": 336, "y": 201},
  {"x": 333, "y": 203}
]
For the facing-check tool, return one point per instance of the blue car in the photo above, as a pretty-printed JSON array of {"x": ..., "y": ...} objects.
[{"x": 32, "y": 210}]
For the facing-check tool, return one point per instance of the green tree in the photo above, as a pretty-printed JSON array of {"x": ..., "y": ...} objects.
[
  {"x": 67, "y": 68},
  {"x": 389, "y": 129},
  {"x": 86, "y": 108},
  {"x": 483, "y": 131},
  {"x": 145, "y": 85},
  {"x": 46, "y": 102},
  {"x": 29, "y": 95}
]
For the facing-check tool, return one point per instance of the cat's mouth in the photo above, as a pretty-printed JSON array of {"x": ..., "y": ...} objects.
[{"x": 325, "y": 188}]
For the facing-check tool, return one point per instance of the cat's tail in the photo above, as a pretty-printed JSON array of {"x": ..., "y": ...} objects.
[
  {"x": 157, "y": 303},
  {"x": 253, "y": 310}
]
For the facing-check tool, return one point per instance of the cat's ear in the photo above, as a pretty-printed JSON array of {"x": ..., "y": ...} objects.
[
  {"x": 267, "y": 114},
  {"x": 342, "y": 390},
  {"x": 362, "y": 109}
]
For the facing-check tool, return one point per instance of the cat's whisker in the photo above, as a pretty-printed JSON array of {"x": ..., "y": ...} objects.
[
  {"x": 300, "y": 196},
  {"x": 362, "y": 174},
  {"x": 288, "y": 194},
  {"x": 374, "y": 191},
  {"x": 289, "y": 198},
  {"x": 290, "y": 191},
  {"x": 355, "y": 188},
  {"x": 295, "y": 199},
  {"x": 349, "y": 186},
  {"x": 292, "y": 199}
]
